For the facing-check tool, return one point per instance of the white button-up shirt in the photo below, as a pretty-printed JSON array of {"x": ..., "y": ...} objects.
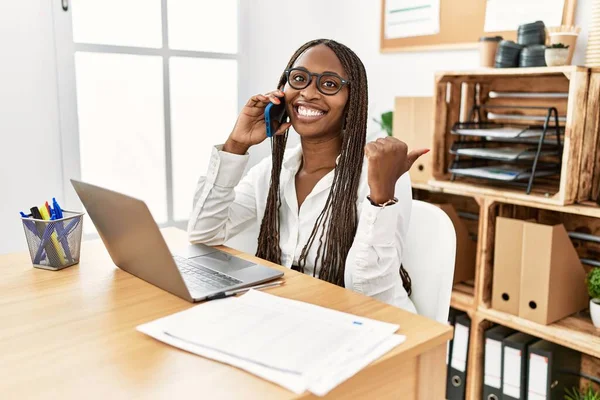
[{"x": 225, "y": 204}]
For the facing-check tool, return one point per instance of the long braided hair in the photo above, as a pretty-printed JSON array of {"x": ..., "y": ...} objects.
[{"x": 338, "y": 220}]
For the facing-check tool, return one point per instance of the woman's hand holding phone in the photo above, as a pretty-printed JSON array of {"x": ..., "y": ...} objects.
[{"x": 250, "y": 128}]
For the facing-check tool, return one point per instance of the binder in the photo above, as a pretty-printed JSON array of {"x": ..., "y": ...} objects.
[
  {"x": 492, "y": 371},
  {"x": 514, "y": 369},
  {"x": 455, "y": 388},
  {"x": 507, "y": 265},
  {"x": 451, "y": 321},
  {"x": 547, "y": 372}
]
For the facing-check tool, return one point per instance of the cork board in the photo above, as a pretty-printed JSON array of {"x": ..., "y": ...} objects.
[{"x": 461, "y": 26}]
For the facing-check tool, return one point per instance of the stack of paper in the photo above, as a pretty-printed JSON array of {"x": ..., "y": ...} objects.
[
  {"x": 504, "y": 132},
  {"x": 296, "y": 345}
]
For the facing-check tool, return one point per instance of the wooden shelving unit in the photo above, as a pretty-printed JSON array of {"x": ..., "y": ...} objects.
[
  {"x": 571, "y": 202},
  {"x": 463, "y": 298}
]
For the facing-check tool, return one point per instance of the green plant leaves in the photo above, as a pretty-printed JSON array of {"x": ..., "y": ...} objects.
[
  {"x": 593, "y": 283},
  {"x": 386, "y": 122}
]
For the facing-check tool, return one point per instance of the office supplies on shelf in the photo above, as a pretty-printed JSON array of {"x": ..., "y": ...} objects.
[
  {"x": 507, "y": 265},
  {"x": 507, "y": 55},
  {"x": 458, "y": 362},
  {"x": 514, "y": 370},
  {"x": 533, "y": 56},
  {"x": 493, "y": 130},
  {"x": 230, "y": 293},
  {"x": 508, "y": 154},
  {"x": 488, "y": 45},
  {"x": 452, "y": 315},
  {"x": 530, "y": 167},
  {"x": 528, "y": 253},
  {"x": 506, "y": 172},
  {"x": 493, "y": 360},
  {"x": 549, "y": 257},
  {"x": 266, "y": 335},
  {"x": 456, "y": 93},
  {"x": 533, "y": 33},
  {"x": 552, "y": 368}
]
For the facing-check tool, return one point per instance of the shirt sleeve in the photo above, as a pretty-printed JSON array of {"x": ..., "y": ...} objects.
[
  {"x": 224, "y": 203},
  {"x": 373, "y": 263}
]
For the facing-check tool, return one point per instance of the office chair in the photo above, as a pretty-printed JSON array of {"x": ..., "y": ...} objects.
[{"x": 429, "y": 255}]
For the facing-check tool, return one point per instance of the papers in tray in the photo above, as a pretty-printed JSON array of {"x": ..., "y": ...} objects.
[
  {"x": 501, "y": 132},
  {"x": 502, "y": 153},
  {"x": 505, "y": 173},
  {"x": 296, "y": 345}
]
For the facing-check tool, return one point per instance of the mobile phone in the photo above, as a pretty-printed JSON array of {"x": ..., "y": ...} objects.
[{"x": 275, "y": 113}]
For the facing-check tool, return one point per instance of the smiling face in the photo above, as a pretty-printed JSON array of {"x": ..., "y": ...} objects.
[{"x": 312, "y": 113}]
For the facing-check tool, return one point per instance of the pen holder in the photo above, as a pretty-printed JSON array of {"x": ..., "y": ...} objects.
[{"x": 54, "y": 244}]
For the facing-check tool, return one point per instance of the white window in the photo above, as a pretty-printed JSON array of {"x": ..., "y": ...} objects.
[{"x": 145, "y": 86}]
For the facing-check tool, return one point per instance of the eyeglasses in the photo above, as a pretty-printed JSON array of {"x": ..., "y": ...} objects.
[{"x": 328, "y": 83}]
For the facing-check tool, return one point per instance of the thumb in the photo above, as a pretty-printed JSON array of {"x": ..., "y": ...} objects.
[{"x": 414, "y": 155}]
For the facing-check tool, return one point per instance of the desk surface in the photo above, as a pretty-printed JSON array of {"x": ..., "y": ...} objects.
[{"x": 72, "y": 333}]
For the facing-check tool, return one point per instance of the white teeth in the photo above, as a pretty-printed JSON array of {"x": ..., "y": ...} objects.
[{"x": 309, "y": 112}]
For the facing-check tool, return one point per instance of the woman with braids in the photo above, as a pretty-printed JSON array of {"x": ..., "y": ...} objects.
[{"x": 330, "y": 207}]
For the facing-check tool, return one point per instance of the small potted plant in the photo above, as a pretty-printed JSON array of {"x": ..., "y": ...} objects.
[
  {"x": 556, "y": 54},
  {"x": 593, "y": 284}
]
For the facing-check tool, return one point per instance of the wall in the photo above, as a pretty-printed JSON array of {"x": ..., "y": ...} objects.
[
  {"x": 30, "y": 161},
  {"x": 272, "y": 30}
]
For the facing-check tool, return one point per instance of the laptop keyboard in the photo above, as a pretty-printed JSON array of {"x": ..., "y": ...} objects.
[{"x": 198, "y": 277}]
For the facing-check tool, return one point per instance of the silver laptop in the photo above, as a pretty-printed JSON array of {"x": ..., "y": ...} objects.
[{"x": 136, "y": 245}]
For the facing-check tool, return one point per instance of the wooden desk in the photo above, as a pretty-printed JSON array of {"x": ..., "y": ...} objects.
[{"x": 71, "y": 335}]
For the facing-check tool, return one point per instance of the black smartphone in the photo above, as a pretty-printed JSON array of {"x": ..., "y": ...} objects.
[{"x": 275, "y": 113}]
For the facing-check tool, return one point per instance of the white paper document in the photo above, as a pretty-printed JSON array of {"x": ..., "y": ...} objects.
[
  {"x": 407, "y": 18},
  {"x": 296, "y": 345},
  {"x": 507, "y": 15}
]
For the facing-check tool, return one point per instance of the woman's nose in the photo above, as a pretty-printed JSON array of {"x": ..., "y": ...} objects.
[{"x": 311, "y": 91}]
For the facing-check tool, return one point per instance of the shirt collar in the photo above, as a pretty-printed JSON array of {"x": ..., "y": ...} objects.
[{"x": 293, "y": 158}]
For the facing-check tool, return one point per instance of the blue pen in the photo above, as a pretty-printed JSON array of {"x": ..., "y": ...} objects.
[
  {"x": 57, "y": 210},
  {"x": 45, "y": 238},
  {"x": 29, "y": 224},
  {"x": 57, "y": 213}
]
